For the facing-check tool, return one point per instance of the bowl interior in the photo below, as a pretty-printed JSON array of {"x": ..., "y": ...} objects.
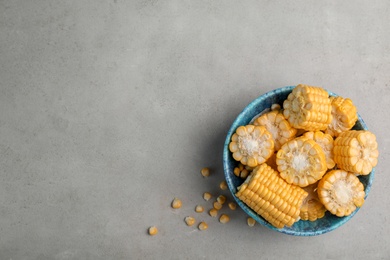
[{"x": 300, "y": 228}]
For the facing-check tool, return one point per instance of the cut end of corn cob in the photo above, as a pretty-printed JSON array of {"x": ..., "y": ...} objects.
[
  {"x": 278, "y": 126},
  {"x": 271, "y": 197},
  {"x": 308, "y": 108},
  {"x": 356, "y": 151},
  {"x": 251, "y": 145},
  {"x": 312, "y": 208},
  {"x": 344, "y": 115},
  {"x": 341, "y": 192},
  {"x": 301, "y": 161},
  {"x": 326, "y": 143}
]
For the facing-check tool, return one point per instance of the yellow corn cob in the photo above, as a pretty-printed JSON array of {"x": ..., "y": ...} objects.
[
  {"x": 344, "y": 115},
  {"x": 278, "y": 126},
  {"x": 271, "y": 197},
  {"x": 308, "y": 108},
  {"x": 312, "y": 208},
  {"x": 251, "y": 145},
  {"x": 340, "y": 192},
  {"x": 301, "y": 161},
  {"x": 326, "y": 143},
  {"x": 356, "y": 151}
]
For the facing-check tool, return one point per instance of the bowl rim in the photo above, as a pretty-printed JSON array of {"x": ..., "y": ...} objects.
[{"x": 232, "y": 188}]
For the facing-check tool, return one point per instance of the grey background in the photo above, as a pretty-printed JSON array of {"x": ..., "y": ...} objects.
[{"x": 109, "y": 109}]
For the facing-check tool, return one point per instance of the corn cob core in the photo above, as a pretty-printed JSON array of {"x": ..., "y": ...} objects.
[
  {"x": 308, "y": 108},
  {"x": 326, "y": 143},
  {"x": 271, "y": 197},
  {"x": 312, "y": 208},
  {"x": 278, "y": 126},
  {"x": 301, "y": 161},
  {"x": 251, "y": 145},
  {"x": 356, "y": 151},
  {"x": 344, "y": 115},
  {"x": 341, "y": 192}
]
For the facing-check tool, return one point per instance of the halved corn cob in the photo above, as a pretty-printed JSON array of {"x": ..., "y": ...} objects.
[
  {"x": 341, "y": 192},
  {"x": 308, "y": 108},
  {"x": 344, "y": 115},
  {"x": 312, "y": 208},
  {"x": 301, "y": 161},
  {"x": 356, "y": 151},
  {"x": 271, "y": 197},
  {"x": 326, "y": 143},
  {"x": 278, "y": 126},
  {"x": 251, "y": 145}
]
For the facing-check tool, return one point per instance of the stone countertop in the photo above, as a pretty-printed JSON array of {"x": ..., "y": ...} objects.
[{"x": 109, "y": 109}]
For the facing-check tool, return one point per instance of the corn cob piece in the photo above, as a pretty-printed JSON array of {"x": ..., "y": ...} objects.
[
  {"x": 341, "y": 192},
  {"x": 251, "y": 145},
  {"x": 326, "y": 143},
  {"x": 344, "y": 116},
  {"x": 301, "y": 161},
  {"x": 278, "y": 126},
  {"x": 308, "y": 108},
  {"x": 356, "y": 151},
  {"x": 271, "y": 197},
  {"x": 312, "y": 208}
]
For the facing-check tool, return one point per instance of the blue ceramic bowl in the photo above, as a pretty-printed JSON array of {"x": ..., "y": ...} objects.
[{"x": 300, "y": 228}]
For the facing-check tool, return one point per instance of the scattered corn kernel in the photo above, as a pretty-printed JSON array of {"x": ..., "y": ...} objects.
[
  {"x": 250, "y": 221},
  {"x": 217, "y": 205},
  {"x": 221, "y": 199},
  {"x": 205, "y": 172},
  {"x": 203, "y": 226},
  {"x": 241, "y": 171},
  {"x": 176, "y": 203},
  {"x": 153, "y": 230},
  {"x": 232, "y": 205},
  {"x": 223, "y": 185},
  {"x": 275, "y": 106},
  {"x": 213, "y": 212},
  {"x": 207, "y": 196},
  {"x": 189, "y": 221},
  {"x": 199, "y": 209},
  {"x": 224, "y": 219}
]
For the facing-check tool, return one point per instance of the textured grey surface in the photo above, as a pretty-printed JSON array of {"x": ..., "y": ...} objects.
[{"x": 109, "y": 109}]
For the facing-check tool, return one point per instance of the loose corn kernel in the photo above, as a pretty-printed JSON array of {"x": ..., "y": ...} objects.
[
  {"x": 199, "y": 209},
  {"x": 301, "y": 161},
  {"x": 251, "y": 145},
  {"x": 223, "y": 185},
  {"x": 176, "y": 203},
  {"x": 344, "y": 115},
  {"x": 221, "y": 199},
  {"x": 217, "y": 205},
  {"x": 341, "y": 192},
  {"x": 241, "y": 171},
  {"x": 232, "y": 205},
  {"x": 308, "y": 108},
  {"x": 312, "y": 208},
  {"x": 270, "y": 196},
  {"x": 278, "y": 126},
  {"x": 213, "y": 212},
  {"x": 275, "y": 107},
  {"x": 189, "y": 221},
  {"x": 207, "y": 196},
  {"x": 153, "y": 230},
  {"x": 224, "y": 218},
  {"x": 356, "y": 151},
  {"x": 203, "y": 226},
  {"x": 326, "y": 143},
  {"x": 250, "y": 221},
  {"x": 205, "y": 172}
]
